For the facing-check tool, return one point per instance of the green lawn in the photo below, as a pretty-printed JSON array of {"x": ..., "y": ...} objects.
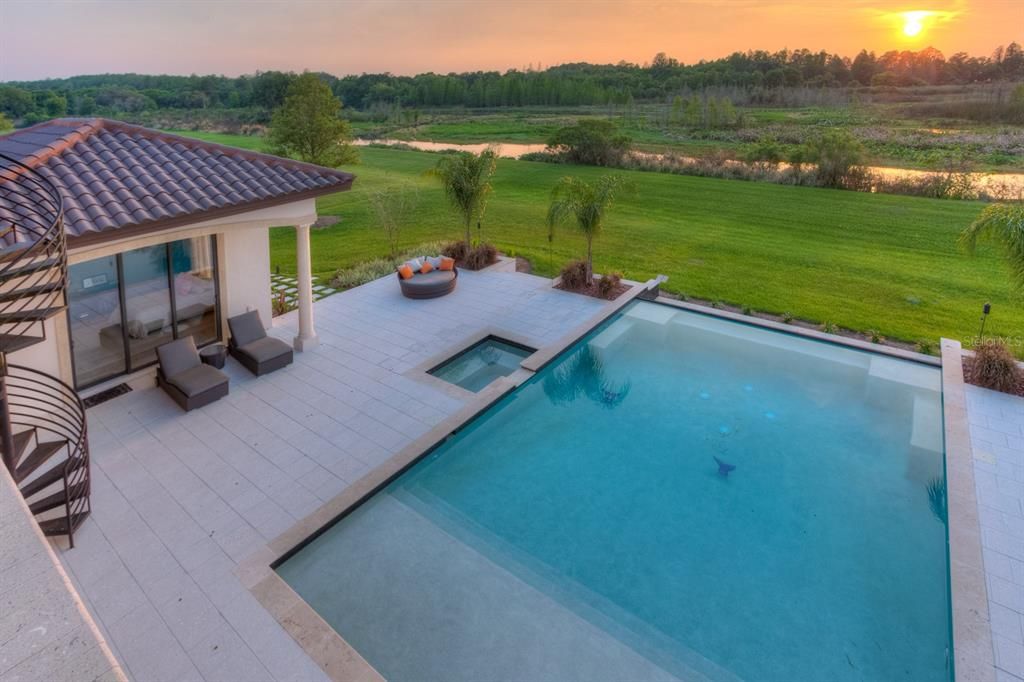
[{"x": 881, "y": 262}]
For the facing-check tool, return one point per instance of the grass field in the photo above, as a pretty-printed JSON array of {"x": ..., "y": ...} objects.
[{"x": 864, "y": 262}]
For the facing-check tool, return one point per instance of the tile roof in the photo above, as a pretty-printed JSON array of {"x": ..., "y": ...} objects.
[{"x": 118, "y": 180}]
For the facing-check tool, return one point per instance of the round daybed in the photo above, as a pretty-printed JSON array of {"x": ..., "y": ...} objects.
[{"x": 429, "y": 285}]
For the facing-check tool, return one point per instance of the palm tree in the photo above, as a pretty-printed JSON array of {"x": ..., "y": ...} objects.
[
  {"x": 466, "y": 179},
  {"x": 585, "y": 203},
  {"x": 1004, "y": 225}
]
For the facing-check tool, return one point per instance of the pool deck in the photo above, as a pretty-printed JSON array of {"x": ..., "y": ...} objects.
[
  {"x": 997, "y": 439},
  {"x": 182, "y": 500}
]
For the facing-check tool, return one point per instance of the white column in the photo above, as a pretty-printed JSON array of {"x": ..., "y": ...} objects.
[{"x": 307, "y": 337}]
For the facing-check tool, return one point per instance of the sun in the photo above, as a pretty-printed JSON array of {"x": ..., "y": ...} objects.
[{"x": 913, "y": 23}]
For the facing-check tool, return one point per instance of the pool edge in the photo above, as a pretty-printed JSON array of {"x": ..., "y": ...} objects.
[{"x": 973, "y": 653}]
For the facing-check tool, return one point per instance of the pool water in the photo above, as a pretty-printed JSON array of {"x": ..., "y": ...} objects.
[
  {"x": 676, "y": 497},
  {"x": 482, "y": 363}
]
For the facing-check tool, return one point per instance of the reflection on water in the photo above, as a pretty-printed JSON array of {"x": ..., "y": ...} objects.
[
  {"x": 508, "y": 150},
  {"x": 999, "y": 183},
  {"x": 583, "y": 374}
]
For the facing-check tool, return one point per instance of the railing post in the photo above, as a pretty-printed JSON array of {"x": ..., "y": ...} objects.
[{"x": 6, "y": 429}]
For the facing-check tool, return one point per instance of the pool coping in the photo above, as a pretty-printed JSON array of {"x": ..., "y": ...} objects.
[
  {"x": 973, "y": 653},
  {"x": 321, "y": 642}
]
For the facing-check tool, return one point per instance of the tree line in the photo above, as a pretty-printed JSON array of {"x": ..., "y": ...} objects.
[{"x": 661, "y": 79}]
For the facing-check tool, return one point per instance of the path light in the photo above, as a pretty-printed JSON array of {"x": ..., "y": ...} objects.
[{"x": 985, "y": 310}]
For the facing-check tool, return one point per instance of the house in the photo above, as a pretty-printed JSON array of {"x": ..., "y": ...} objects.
[
  {"x": 166, "y": 236},
  {"x": 117, "y": 239}
]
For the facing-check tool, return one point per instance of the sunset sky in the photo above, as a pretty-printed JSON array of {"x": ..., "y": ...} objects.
[{"x": 52, "y": 39}]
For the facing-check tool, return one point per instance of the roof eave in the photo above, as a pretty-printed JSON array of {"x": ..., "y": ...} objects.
[{"x": 90, "y": 239}]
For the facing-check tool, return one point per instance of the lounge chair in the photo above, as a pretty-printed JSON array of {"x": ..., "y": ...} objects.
[
  {"x": 429, "y": 285},
  {"x": 250, "y": 345},
  {"x": 185, "y": 378}
]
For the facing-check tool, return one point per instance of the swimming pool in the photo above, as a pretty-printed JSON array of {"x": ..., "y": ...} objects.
[{"x": 676, "y": 497}]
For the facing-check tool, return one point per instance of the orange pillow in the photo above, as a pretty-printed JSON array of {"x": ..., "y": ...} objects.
[
  {"x": 447, "y": 263},
  {"x": 427, "y": 267},
  {"x": 405, "y": 272}
]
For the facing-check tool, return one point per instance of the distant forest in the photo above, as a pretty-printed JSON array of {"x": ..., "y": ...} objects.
[{"x": 565, "y": 85}]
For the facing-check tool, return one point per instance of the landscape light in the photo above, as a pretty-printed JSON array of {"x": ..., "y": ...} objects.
[{"x": 985, "y": 310}]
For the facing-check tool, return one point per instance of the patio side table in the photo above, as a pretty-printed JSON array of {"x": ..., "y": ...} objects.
[{"x": 214, "y": 355}]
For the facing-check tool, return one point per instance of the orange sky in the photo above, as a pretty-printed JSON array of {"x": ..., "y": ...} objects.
[{"x": 404, "y": 36}]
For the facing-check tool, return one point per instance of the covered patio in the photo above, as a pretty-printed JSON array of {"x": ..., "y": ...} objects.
[{"x": 179, "y": 500}]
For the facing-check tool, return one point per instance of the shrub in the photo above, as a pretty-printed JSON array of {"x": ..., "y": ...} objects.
[
  {"x": 994, "y": 366},
  {"x": 874, "y": 336},
  {"x": 925, "y": 347},
  {"x": 590, "y": 142},
  {"x": 280, "y": 305},
  {"x": 456, "y": 250},
  {"x": 765, "y": 151},
  {"x": 840, "y": 158},
  {"x": 787, "y": 317},
  {"x": 829, "y": 328},
  {"x": 607, "y": 285},
  {"x": 480, "y": 256},
  {"x": 747, "y": 310},
  {"x": 574, "y": 275},
  {"x": 367, "y": 271}
]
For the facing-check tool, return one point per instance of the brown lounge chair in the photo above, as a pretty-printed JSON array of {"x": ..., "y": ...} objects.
[
  {"x": 250, "y": 345},
  {"x": 429, "y": 285},
  {"x": 185, "y": 378}
]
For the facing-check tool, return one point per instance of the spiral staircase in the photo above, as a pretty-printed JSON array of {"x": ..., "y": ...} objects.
[{"x": 43, "y": 439}]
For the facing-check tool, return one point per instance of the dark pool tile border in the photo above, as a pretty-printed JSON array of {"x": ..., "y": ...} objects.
[
  {"x": 336, "y": 657},
  {"x": 973, "y": 654}
]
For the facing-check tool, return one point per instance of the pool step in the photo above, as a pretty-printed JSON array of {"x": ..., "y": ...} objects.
[
  {"x": 610, "y": 336},
  {"x": 927, "y": 424},
  {"x": 904, "y": 372}
]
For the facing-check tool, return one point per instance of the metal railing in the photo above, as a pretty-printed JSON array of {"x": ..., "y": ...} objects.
[
  {"x": 33, "y": 249},
  {"x": 47, "y": 404}
]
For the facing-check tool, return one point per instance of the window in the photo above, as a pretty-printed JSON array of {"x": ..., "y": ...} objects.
[{"x": 122, "y": 307}]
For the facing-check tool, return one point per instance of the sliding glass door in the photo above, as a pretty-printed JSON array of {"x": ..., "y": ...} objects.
[
  {"x": 121, "y": 308},
  {"x": 94, "y": 312},
  {"x": 147, "y": 303}
]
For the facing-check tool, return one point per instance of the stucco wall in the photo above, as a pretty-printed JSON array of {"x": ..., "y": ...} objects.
[
  {"x": 45, "y": 356},
  {"x": 246, "y": 272}
]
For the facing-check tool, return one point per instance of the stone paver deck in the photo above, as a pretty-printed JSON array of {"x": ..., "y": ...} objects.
[
  {"x": 180, "y": 499},
  {"x": 997, "y": 439}
]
